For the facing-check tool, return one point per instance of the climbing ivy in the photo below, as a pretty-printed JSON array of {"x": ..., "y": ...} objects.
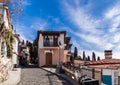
[{"x": 8, "y": 40}]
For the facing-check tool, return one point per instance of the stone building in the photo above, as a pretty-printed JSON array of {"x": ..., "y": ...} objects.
[
  {"x": 53, "y": 47},
  {"x": 15, "y": 50},
  {"x": 110, "y": 69},
  {"x": 5, "y": 24}
]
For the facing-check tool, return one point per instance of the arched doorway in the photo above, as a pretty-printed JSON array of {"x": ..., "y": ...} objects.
[{"x": 48, "y": 58}]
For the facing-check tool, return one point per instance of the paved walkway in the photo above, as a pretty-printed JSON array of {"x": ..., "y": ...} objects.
[
  {"x": 31, "y": 75},
  {"x": 14, "y": 77}
]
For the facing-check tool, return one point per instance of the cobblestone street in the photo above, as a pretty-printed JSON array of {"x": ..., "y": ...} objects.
[{"x": 31, "y": 75}]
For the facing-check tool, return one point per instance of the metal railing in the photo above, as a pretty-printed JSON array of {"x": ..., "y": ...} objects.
[{"x": 50, "y": 44}]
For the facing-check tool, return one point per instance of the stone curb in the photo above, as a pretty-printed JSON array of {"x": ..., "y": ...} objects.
[
  {"x": 14, "y": 77},
  {"x": 63, "y": 76}
]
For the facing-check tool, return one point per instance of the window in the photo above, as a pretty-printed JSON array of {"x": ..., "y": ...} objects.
[{"x": 56, "y": 40}]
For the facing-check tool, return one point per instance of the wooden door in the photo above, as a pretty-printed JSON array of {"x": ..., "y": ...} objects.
[{"x": 48, "y": 58}]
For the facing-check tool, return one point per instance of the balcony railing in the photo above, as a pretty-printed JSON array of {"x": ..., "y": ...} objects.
[{"x": 50, "y": 44}]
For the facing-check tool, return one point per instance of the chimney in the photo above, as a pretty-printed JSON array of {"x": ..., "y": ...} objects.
[{"x": 108, "y": 54}]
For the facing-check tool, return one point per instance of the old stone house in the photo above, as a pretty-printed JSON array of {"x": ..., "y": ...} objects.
[
  {"x": 110, "y": 69},
  {"x": 53, "y": 47},
  {"x": 6, "y": 38}
]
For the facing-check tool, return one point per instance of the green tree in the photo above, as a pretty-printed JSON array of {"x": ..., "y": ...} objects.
[
  {"x": 75, "y": 52},
  {"x": 23, "y": 43},
  {"x": 8, "y": 39},
  {"x": 71, "y": 59},
  {"x": 84, "y": 56},
  {"x": 98, "y": 58},
  {"x": 33, "y": 51},
  {"x": 79, "y": 57},
  {"x": 88, "y": 58},
  {"x": 93, "y": 56},
  {"x": 27, "y": 43}
]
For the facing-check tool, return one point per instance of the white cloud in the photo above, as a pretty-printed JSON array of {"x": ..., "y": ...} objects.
[
  {"x": 56, "y": 20},
  {"x": 116, "y": 38},
  {"x": 113, "y": 15},
  {"x": 101, "y": 42},
  {"x": 113, "y": 11},
  {"x": 75, "y": 44},
  {"x": 26, "y": 3},
  {"x": 82, "y": 19},
  {"x": 29, "y": 33},
  {"x": 87, "y": 24},
  {"x": 38, "y": 24},
  {"x": 22, "y": 30}
]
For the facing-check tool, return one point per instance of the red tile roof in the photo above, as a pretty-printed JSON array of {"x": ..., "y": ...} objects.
[
  {"x": 108, "y": 66},
  {"x": 105, "y": 63}
]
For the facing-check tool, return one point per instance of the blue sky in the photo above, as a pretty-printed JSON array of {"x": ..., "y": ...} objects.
[{"x": 94, "y": 25}]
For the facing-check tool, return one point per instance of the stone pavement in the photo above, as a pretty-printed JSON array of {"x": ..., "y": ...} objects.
[
  {"x": 32, "y": 75},
  {"x": 53, "y": 70},
  {"x": 14, "y": 77}
]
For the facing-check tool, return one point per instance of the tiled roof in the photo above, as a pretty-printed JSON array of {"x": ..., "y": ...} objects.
[
  {"x": 108, "y": 66},
  {"x": 105, "y": 63}
]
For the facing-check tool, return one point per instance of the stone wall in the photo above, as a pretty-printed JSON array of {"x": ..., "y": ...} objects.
[{"x": 5, "y": 67}]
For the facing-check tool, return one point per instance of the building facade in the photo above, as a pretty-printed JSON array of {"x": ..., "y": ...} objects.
[
  {"x": 53, "y": 47},
  {"x": 15, "y": 50},
  {"x": 5, "y": 29},
  {"x": 110, "y": 68},
  {"x": 5, "y": 23}
]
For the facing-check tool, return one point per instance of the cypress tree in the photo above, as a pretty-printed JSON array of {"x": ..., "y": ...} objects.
[
  {"x": 80, "y": 58},
  {"x": 84, "y": 57},
  {"x": 71, "y": 59},
  {"x": 88, "y": 58},
  {"x": 93, "y": 57},
  {"x": 23, "y": 42},
  {"x": 98, "y": 58},
  {"x": 75, "y": 52}
]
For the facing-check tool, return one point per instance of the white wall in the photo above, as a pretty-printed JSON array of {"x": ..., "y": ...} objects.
[
  {"x": 1, "y": 10},
  {"x": 15, "y": 49},
  {"x": 4, "y": 14},
  {"x": 40, "y": 41},
  {"x": 112, "y": 73},
  {"x": 0, "y": 47},
  {"x": 6, "y": 19},
  {"x": 107, "y": 72},
  {"x": 61, "y": 38}
]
